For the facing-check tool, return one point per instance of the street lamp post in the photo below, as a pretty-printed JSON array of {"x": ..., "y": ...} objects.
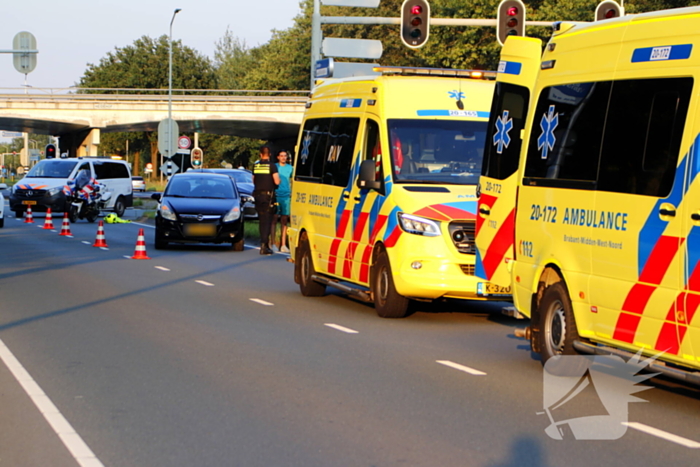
[{"x": 170, "y": 88}]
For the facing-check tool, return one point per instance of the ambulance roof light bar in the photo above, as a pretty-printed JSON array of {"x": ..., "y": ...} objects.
[{"x": 423, "y": 71}]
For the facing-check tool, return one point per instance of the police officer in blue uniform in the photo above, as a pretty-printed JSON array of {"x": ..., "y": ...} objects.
[{"x": 266, "y": 179}]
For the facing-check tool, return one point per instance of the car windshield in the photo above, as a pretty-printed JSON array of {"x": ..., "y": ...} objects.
[
  {"x": 200, "y": 187},
  {"x": 242, "y": 177},
  {"x": 52, "y": 168},
  {"x": 437, "y": 151}
]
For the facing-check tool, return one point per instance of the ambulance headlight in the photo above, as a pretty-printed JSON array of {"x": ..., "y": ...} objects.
[{"x": 419, "y": 225}]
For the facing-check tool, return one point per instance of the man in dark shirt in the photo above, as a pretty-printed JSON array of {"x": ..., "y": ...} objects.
[{"x": 266, "y": 179}]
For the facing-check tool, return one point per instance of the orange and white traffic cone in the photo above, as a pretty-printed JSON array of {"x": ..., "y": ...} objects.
[
  {"x": 140, "y": 252},
  {"x": 100, "y": 238},
  {"x": 48, "y": 221},
  {"x": 65, "y": 227},
  {"x": 28, "y": 219}
]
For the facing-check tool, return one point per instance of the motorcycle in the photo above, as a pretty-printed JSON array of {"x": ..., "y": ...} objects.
[{"x": 85, "y": 197}]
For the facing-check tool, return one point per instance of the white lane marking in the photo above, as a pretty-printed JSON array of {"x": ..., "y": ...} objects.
[
  {"x": 127, "y": 257},
  {"x": 87, "y": 243},
  {"x": 162, "y": 268},
  {"x": 262, "y": 302},
  {"x": 72, "y": 440},
  {"x": 144, "y": 225},
  {"x": 663, "y": 434},
  {"x": 104, "y": 248},
  {"x": 208, "y": 284},
  {"x": 341, "y": 328},
  {"x": 459, "y": 367}
]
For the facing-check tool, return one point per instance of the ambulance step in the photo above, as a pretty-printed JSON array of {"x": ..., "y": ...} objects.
[
  {"x": 512, "y": 312},
  {"x": 354, "y": 291},
  {"x": 688, "y": 376}
]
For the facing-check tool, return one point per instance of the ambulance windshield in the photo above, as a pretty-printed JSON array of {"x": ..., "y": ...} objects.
[{"x": 437, "y": 151}]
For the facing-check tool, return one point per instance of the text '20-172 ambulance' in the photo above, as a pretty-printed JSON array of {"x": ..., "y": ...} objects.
[
  {"x": 384, "y": 201},
  {"x": 590, "y": 195}
]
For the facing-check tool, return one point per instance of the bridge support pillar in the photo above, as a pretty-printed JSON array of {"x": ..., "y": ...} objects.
[{"x": 90, "y": 145}]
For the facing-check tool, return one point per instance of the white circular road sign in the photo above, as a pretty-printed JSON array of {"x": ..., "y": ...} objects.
[{"x": 184, "y": 142}]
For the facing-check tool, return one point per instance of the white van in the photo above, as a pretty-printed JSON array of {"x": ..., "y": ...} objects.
[{"x": 42, "y": 187}]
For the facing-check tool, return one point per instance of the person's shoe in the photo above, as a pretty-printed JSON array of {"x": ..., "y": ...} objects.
[
  {"x": 275, "y": 248},
  {"x": 284, "y": 249},
  {"x": 265, "y": 249}
]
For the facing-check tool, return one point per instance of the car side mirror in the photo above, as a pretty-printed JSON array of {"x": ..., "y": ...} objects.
[
  {"x": 157, "y": 196},
  {"x": 367, "y": 179},
  {"x": 3, "y": 186}
]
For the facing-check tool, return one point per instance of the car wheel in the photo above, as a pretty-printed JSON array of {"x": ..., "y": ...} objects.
[
  {"x": 19, "y": 214},
  {"x": 238, "y": 245},
  {"x": 161, "y": 244},
  {"x": 119, "y": 207},
  {"x": 305, "y": 269},
  {"x": 2, "y": 222},
  {"x": 557, "y": 323},
  {"x": 387, "y": 301}
]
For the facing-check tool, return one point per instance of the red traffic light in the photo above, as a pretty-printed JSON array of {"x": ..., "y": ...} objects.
[
  {"x": 512, "y": 11},
  {"x": 416, "y": 10},
  {"x": 611, "y": 13}
]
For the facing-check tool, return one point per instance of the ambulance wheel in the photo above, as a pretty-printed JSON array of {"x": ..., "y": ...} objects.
[
  {"x": 119, "y": 207},
  {"x": 305, "y": 269},
  {"x": 557, "y": 323},
  {"x": 387, "y": 301}
]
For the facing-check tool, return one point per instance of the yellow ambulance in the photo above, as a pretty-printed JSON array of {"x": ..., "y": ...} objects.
[
  {"x": 589, "y": 196},
  {"x": 384, "y": 187}
]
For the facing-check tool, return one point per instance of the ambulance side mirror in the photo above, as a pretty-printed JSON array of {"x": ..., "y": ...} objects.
[{"x": 367, "y": 179}]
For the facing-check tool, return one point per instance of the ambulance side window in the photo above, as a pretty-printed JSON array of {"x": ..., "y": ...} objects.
[
  {"x": 643, "y": 135},
  {"x": 508, "y": 113},
  {"x": 373, "y": 148},
  {"x": 339, "y": 151},
  {"x": 309, "y": 166}
]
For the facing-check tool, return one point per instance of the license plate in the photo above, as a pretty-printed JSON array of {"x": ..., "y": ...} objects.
[
  {"x": 200, "y": 230},
  {"x": 486, "y": 289},
  {"x": 32, "y": 203}
]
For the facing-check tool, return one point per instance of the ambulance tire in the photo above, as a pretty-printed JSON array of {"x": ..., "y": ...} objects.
[
  {"x": 305, "y": 264},
  {"x": 387, "y": 301},
  {"x": 557, "y": 323}
]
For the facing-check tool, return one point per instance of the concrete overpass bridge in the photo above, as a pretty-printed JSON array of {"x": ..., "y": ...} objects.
[{"x": 78, "y": 118}]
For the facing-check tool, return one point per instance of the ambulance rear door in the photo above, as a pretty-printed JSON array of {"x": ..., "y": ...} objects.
[{"x": 498, "y": 186}]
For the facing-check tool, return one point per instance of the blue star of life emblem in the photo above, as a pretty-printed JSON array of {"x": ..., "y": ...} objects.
[
  {"x": 306, "y": 142},
  {"x": 503, "y": 125},
  {"x": 546, "y": 141},
  {"x": 458, "y": 95}
]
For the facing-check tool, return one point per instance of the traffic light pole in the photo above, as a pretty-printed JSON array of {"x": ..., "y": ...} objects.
[{"x": 433, "y": 21}]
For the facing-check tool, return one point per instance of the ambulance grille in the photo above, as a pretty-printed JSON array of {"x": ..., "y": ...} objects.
[
  {"x": 462, "y": 235},
  {"x": 467, "y": 269}
]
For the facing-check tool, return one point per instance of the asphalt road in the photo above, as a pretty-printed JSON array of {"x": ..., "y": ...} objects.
[{"x": 202, "y": 356}]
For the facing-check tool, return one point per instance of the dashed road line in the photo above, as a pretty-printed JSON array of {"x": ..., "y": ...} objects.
[
  {"x": 87, "y": 243},
  {"x": 459, "y": 367},
  {"x": 162, "y": 268},
  {"x": 71, "y": 440},
  {"x": 208, "y": 284},
  {"x": 689, "y": 443},
  {"x": 261, "y": 302},
  {"x": 340, "y": 328}
]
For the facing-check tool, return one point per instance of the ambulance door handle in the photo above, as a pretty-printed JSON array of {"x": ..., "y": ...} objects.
[
  {"x": 357, "y": 199},
  {"x": 667, "y": 212},
  {"x": 485, "y": 211},
  {"x": 695, "y": 216},
  {"x": 346, "y": 195}
]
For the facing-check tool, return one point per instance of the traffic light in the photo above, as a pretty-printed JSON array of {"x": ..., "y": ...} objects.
[
  {"x": 197, "y": 158},
  {"x": 607, "y": 10},
  {"x": 50, "y": 151},
  {"x": 415, "y": 23},
  {"x": 510, "y": 20}
]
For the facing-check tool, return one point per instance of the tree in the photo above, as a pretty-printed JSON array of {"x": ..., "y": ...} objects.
[{"x": 144, "y": 65}]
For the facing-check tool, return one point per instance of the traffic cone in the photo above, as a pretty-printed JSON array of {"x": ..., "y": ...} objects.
[
  {"x": 48, "y": 222},
  {"x": 100, "y": 238},
  {"x": 28, "y": 219},
  {"x": 140, "y": 252},
  {"x": 65, "y": 227}
]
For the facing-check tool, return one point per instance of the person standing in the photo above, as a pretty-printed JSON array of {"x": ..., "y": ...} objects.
[
  {"x": 265, "y": 179},
  {"x": 284, "y": 201}
]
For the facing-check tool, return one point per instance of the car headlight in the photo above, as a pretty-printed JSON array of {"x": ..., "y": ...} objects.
[
  {"x": 247, "y": 199},
  {"x": 419, "y": 225},
  {"x": 233, "y": 215},
  {"x": 166, "y": 212},
  {"x": 54, "y": 191}
]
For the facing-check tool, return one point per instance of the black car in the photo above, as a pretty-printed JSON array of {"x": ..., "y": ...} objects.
[
  {"x": 244, "y": 183},
  {"x": 199, "y": 207}
]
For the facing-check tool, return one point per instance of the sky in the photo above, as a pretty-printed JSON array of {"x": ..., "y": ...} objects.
[{"x": 72, "y": 33}]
